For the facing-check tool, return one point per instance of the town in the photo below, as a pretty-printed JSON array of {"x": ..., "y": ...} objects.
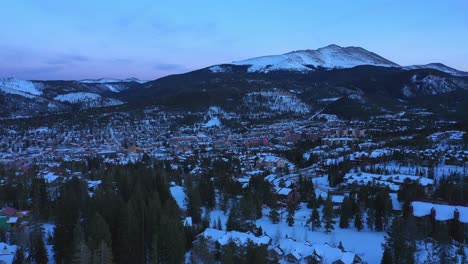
[{"x": 298, "y": 188}]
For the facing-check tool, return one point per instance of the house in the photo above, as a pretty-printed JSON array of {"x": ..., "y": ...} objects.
[
  {"x": 275, "y": 253},
  {"x": 10, "y": 218},
  {"x": 287, "y": 195},
  {"x": 215, "y": 239}
]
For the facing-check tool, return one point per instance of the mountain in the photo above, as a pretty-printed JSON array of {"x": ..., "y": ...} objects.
[
  {"x": 350, "y": 82},
  {"x": 30, "y": 98},
  {"x": 329, "y": 57},
  {"x": 111, "y": 80},
  {"x": 440, "y": 67}
]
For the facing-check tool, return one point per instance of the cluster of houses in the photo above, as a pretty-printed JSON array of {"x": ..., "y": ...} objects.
[
  {"x": 285, "y": 250},
  {"x": 393, "y": 181}
]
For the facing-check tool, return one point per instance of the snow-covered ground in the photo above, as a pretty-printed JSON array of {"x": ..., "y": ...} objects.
[
  {"x": 77, "y": 97},
  {"x": 90, "y": 99},
  {"x": 7, "y": 252},
  {"x": 277, "y": 101},
  {"x": 19, "y": 87},
  {"x": 179, "y": 196}
]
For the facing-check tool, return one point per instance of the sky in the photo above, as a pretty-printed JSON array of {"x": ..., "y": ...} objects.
[{"x": 148, "y": 39}]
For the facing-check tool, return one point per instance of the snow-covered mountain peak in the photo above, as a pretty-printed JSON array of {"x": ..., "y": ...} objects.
[{"x": 329, "y": 57}]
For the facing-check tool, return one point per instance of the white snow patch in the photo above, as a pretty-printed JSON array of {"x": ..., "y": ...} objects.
[{"x": 19, "y": 87}]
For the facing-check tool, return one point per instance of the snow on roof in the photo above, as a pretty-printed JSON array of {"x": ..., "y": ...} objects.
[
  {"x": 12, "y": 220},
  {"x": 443, "y": 212},
  {"x": 187, "y": 221},
  {"x": 297, "y": 249},
  {"x": 213, "y": 122},
  {"x": 364, "y": 178},
  {"x": 50, "y": 177},
  {"x": 93, "y": 184},
  {"x": 348, "y": 257},
  {"x": 283, "y": 191},
  {"x": 328, "y": 253},
  {"x": 240, "y": 238},
  {"x": 380, "y": 153},
  {"x": 337, "y": 198}
]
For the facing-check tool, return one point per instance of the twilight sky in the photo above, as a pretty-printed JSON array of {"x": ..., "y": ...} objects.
[{"x": 56, "y": 39}]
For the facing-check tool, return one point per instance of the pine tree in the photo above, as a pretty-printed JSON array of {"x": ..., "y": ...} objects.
[
  {"x": 98, "y": 230},
  {"x": 201, "y": 253},
  {"x": 346, "y": 212},
  {"x": 194, "y": 205},
  {"x": 234, "y": 219},
  {"x": 370, "y": 219},
  {"x": 316, "y": 224},
  {"x": 274, "y": 216},
  {"x": 38, "y": 250},
  {"x": 82, "y": 254},
  {"x": 387, "y": 256},
  {"x": 19, "y": 257},
  {"x": 290, "y": 216},
  {"x": 327, "y": 217},
  {"x": 340, "y": 246},
  {"x": 154, "y": 256},
  {"x": 102, "y": 254},
  {"x": 358, "y": 220}
]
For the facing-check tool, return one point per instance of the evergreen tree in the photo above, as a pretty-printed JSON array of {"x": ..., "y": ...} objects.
[
  {"x": 154, "y": 256},
  {"x": 358, "y": 220},
  {"x": 290, "y": 216},
  {"x": 443, "y": 246},
  {"x": 399, "y": 242},
  {"x": 200, "y": 252},
  {"x": 98, "y": 231},
  {"x": 82, "y": 254},
  {"x": 102, "y": 254},
  {"x": 194, "y": 205},
  {"x": 38, "y": 252},
  {"x": 274, "y": 216},
  {"x": 19, "y": 257},
  {"x": 370, "y": 219},
  {"x": 387, "y": 256},
  {"x": 171, "y": 237},
  {"x": 346, "y": 212},
  {"x": 314, "y": 220},
  {"x": 234, "y": 221},
  {"x": 340, "y": 246},
  {"x": 40, "y": 199},
  {"x": 255, "y": 254},
  {"x": 328, "y": 215},
  {"x": 316, "y": 224}
]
